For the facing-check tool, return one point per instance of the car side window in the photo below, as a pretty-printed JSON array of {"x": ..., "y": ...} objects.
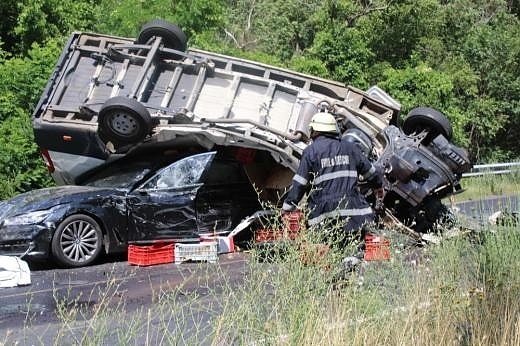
[
  {"x": 224, "y": 172},
  {"x": 184, "y": 172}
]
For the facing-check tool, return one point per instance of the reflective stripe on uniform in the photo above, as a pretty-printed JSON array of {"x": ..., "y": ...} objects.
[
  {"x": 371, "y": 171},
  {"x": 334, "y": 175},
  {"x": 340, "y": 212},
  {"x": 288, "y": 207},
  {"x": 300, "y": 180}
]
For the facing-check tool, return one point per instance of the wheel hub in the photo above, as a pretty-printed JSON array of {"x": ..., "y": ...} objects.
[
  {"x": 123, "y": 124},
  {"x": 78, "y": 241}
]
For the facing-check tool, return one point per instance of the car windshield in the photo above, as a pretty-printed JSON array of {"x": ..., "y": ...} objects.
[
  {"x": 181, "y": 173},
  {"x": 119, "y": 176}
]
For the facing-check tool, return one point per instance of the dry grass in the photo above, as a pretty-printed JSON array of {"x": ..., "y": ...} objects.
[{"x": 461, "y": 292}]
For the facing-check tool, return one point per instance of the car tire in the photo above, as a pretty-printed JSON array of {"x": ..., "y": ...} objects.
[
  {"x": 124, "y": 120},
  {"x": 173, "y": 37},
  {"x": 430, "y": 120},
  {"x": 77, "y": 241}
]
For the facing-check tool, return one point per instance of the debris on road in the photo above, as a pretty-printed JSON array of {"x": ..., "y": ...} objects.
[{"x": 14, "y": 272}]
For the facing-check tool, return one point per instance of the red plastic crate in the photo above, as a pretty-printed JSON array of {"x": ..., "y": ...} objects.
[
  {"x": 265, "y": 235},
  {"x": 147, "y": 255},
  {"x": 290, "y": 230},
  {"x": 291, "y": 220},
  {"x": 377, "y": 248}
]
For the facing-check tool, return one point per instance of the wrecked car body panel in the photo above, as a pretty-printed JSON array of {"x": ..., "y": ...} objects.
[
  {"x": 406, "y": 162},
  {"x": 140, "y": 199},
  {"x": 111, "y": 97},
  {"x": 32, "y": 237},
  {"x": 206, "y": 98}
]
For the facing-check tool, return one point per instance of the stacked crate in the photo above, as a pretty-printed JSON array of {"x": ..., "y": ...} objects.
[
  {"x": 170, "y": 252},
  {"x": 290, "y": 230}
]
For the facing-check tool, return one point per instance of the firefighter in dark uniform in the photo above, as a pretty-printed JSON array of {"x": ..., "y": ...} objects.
[{"x": 328, "y": 172}]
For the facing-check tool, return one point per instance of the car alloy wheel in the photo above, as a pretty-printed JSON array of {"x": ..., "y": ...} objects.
[{"x": 77, "y": 241}]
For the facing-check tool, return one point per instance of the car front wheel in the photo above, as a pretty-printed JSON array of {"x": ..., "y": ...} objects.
[{"x": 77, "y": 242}]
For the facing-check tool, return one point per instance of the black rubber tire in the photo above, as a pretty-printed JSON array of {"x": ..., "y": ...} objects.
[
  {"x": 77, "y": 242},
  {"x": 124, "y": 120},
  {"x": 173, "y": 37},
  {"x": 429, "y": 119}
]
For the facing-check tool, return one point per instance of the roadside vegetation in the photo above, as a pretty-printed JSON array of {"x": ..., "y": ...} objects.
[
  {"x": 489, "y": 186},
  {"x": 463, "y": 291}
]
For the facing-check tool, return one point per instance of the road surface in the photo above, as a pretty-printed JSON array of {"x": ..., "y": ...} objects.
[{"x": 36, "y": 314}]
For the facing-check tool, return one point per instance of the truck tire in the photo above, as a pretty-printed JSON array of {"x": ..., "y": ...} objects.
[
  {"x": 77, "y": 242},
  {"x": 430, "y": 120},
  {"x": 124, "y": 120},
  {"x": 173, "y": 37}
]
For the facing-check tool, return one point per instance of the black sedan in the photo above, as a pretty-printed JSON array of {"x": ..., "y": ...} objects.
[{"x": 135, "y": 200}]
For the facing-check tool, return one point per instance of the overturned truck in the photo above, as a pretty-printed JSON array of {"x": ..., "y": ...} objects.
[{"x": 111, "y": 97}]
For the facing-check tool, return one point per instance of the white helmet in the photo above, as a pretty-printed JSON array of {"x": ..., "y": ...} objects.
[{"x": 324, "y": 122}]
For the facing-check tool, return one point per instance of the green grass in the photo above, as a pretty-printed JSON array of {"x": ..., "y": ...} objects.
[
  {"x": 461, "y": 292},
  {"x": 489, "y": 186}
]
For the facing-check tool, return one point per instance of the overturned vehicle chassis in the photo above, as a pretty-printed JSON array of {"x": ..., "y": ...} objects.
[{"x": 111, "y": 97}]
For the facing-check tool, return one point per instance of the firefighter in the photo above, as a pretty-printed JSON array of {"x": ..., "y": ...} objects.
[{"x": 328, "y": 173}]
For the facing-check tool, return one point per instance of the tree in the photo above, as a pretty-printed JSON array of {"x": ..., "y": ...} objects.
[
  {"x": 32, "y": 21},
  {"x": 474, "y": 46},
  {"x": 21, "y": 82},
  {"x": 493, "y": 50},
  {"x": 125, "y": 18},
  {"x": 9, "y": 11}
]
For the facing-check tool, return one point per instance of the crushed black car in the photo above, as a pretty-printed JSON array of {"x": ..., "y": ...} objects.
[{"x": 138, "y": 199}]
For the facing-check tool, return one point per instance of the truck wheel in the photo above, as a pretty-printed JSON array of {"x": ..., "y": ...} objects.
[
  {"x": 77, "y": 242},
  {"x": 124, "y": 120},
  {"x": 430, "y": 120},
  {"x": 172, "y": 36}
]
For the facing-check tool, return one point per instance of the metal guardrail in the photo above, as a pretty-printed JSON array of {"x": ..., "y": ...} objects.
[{"x": 492, "y": 168}]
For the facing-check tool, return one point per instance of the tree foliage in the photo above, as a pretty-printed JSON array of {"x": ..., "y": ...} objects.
[
  {"x": 21, "y": 82},
  {"x": 459, "y": 56},
  {"x": 28, "y": 21}
]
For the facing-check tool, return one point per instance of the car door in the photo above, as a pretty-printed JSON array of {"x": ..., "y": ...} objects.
[
  {"x": 164, "y": 206},
  {"x": 226, "y": 197}
]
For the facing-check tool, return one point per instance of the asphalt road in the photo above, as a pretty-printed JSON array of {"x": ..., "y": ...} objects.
[
  {"x": 35, "y": 314},
  {"x": 478, "y": 211}
]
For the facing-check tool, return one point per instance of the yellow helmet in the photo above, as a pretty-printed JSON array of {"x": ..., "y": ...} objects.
[{"x": 324, "y": 122}]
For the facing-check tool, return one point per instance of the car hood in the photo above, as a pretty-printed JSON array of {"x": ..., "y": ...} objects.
[{"x": 42, "y": 199}]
